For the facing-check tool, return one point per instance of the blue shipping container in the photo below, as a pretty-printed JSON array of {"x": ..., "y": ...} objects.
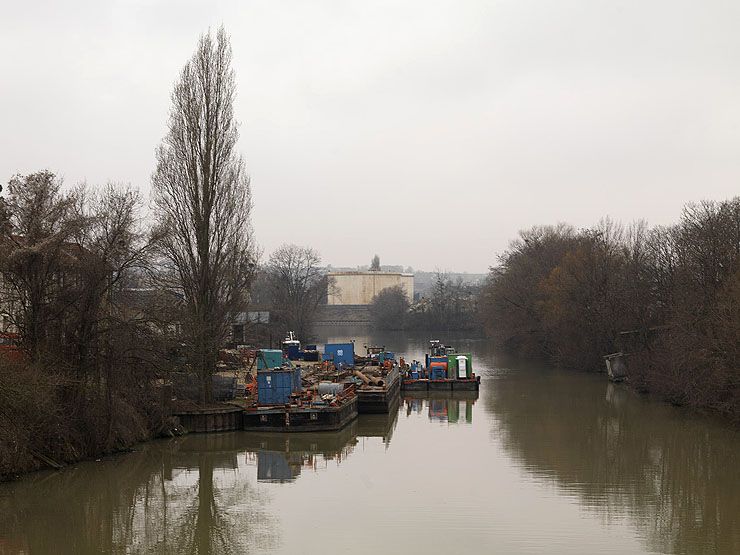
[
  {"x": 292, "y": 349},
  {"x": 297, "y": 386},
  {"x": 269, "y": 358},
  {"x": 274, "y": 386},
  {"x": 340, "y": 353},
  {"x": 310, "y": 356}
]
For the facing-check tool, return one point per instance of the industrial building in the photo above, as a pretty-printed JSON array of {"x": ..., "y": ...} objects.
[{"x": 359, "y": 288}]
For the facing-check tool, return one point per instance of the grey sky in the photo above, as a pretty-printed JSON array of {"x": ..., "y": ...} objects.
[{"x": 428, "y": 132}]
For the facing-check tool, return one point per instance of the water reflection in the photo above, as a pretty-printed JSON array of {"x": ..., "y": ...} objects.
[
  {"x": 554, "y": 462},
  {"x": 195, "y": 494},
  {"x": 280, "y": 458},
  {"x": 673, "y": 475},
  {"x": 180, "y": 496},
  {"x": 452, "y": 407}
]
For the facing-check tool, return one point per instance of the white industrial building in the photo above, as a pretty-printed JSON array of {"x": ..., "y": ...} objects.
[{"x": 359, "y": 288}]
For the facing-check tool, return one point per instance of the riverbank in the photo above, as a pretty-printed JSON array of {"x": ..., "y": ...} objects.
[
  {"x": 668, "y": 298},
  {"x": 49, "y": 419}
]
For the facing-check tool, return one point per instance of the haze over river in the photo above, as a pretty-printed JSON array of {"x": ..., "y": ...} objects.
[{"x": 542, "y": 461}]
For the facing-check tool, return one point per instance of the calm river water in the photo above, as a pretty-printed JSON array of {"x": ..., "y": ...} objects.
[{"x": 542, "y": 461}]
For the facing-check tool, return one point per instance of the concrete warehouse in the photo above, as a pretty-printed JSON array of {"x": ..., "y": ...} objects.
[{"x": 359, "y": 288}]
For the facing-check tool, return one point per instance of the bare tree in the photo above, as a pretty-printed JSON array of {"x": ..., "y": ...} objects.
[
  {"x": 202, "y": 198},
  {"x": 63, "y": 260},
  {"x": 35, "y": 247},
  {"x": 375, "y": 264},
  {"x": 298, "y": 286}
]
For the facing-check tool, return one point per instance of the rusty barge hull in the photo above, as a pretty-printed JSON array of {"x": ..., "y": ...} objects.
[
  {"x": 213, "y": 419},
  {"x": 379, "y": 400},
  {"x": 468, "y": 384},
  {"x": 299, "y": 419}
]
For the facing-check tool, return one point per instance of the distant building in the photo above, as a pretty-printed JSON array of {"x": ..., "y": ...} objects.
[{"x": 359, "y": 288}]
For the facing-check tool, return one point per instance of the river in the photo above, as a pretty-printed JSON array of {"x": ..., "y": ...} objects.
[{"x": 542, "y": 461}]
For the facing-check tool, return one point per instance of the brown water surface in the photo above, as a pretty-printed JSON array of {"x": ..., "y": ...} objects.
[{"x": 542, "y": 461}]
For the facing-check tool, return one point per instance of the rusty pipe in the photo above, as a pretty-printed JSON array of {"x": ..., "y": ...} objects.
[{"x": 363, "y": 377}]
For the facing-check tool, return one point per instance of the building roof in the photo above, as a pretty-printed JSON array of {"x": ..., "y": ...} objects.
[{"x": 369, "y": 273}]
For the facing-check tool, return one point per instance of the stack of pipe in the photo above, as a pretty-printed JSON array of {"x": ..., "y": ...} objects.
[{"x": 369, "y": 380}]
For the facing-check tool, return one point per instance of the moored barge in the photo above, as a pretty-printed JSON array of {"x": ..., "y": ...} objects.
[
  {"x": 305, "y": 418},
  {"x": 374, "y": 399},
  {"x": 283, "y": 404},
  {"x": 445, "y": 370}
]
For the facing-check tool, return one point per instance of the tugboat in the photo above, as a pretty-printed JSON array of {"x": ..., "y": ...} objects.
[{"x": 444, "y": 370}]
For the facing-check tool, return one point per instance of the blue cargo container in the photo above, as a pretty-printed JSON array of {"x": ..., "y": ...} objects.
[
  {"x": 292, "y": 349},
  {"x": 310, "y": 355},
  {"x": 297, "y": 386},
  {"x": 340, "y": 353},
  {"x": 275, "y": 386},
  {"x": 269, "y": 358}
]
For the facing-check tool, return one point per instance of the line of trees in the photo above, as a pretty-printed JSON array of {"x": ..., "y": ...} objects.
[
  {"x": 104, "y": 305},
  {"x": 667, "y": 296},
  {"x": 80, "y": 387},
  {"x": 451, "y": 305}
]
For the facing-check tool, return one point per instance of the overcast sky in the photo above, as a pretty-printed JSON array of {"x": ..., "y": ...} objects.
[{"x": 426, "y": 131}]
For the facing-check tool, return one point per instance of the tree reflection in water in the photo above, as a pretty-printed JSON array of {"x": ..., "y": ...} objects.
[
  {"x": 674, "y": 474},
  {"x": 187, "y": 495},
  {"x": 184, "y": 495}
]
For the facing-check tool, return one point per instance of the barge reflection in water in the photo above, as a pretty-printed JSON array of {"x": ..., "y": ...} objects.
[{"x": 445, "y": 406}]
